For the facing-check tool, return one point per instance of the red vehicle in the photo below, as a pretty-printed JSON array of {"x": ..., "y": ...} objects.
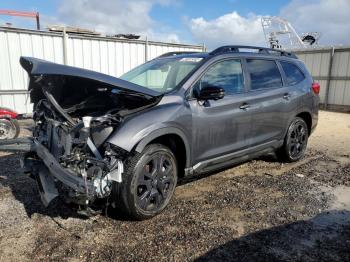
[{"x": 9, "y": 127}]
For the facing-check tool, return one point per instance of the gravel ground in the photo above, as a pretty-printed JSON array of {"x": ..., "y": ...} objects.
[{"x": 257, "y": 211}]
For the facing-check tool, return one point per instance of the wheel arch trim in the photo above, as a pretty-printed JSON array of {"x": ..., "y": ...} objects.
[
  {"x": 161, "y": 132},
  {"x": 292, "y": 117}
]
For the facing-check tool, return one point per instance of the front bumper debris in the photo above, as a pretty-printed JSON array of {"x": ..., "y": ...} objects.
[
  {"x": 47, "y": 170},
  {"x": 24, "y": 144}
]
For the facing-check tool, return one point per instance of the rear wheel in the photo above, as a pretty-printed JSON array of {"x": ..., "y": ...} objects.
[
  {"x": 295, "y": 141},
  {"x": 9, "y": 128},
  {"x": 149, "y": 182}
]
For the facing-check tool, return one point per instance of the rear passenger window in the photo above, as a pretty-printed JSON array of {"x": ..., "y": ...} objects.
[
  {"x": 226, "y": 74},
  {"x": 263, "y": 74},
  {"x": 293, "y": 73}
]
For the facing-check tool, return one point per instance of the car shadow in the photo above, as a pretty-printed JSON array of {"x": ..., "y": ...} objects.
[{"x": 325, "y": 237}]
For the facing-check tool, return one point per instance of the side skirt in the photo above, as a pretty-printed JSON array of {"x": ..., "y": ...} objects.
[{"x": 220, "y": 162}]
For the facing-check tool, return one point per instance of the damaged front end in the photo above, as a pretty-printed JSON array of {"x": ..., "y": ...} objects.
[
  {"x": 66, "y": 161},
  {"x": 75, "y": 111}
]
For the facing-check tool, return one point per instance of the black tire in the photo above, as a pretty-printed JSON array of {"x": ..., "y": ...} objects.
[
  {"x": 149, "y": 182},
  {"x": 9, "y": 128},
  {"x": 295, "y": 141}
]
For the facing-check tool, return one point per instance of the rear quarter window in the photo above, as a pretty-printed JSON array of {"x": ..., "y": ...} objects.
[
  {"x": 293, "y": 74},
  {"x": 264, "y": 74}
]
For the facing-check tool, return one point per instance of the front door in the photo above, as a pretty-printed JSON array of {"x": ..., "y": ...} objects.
[{"x": 220, "y": 126}]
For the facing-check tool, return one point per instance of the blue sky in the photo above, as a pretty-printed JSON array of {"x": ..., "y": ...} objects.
[
  {"x": 209, "y": 22},
  {"x": 213, "y": 9},
  {"x": 172, "y": 14}
]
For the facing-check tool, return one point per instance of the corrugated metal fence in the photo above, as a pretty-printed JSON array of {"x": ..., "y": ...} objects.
[
  {"x": 330, "y": 66},
  {"x": 107, "y": 55}
]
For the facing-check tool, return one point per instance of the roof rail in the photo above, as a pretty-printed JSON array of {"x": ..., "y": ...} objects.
[
  {"x": 177, "y": 53},
  {"x": 261, "y": 50}
]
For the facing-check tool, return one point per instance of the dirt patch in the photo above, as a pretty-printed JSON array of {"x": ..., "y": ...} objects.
[
  {"x": 257, "y": 211},
  {"x": 332, "y": 135}
]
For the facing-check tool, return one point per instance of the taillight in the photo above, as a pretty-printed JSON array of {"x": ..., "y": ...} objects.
[{"x": 316, "y": 88}]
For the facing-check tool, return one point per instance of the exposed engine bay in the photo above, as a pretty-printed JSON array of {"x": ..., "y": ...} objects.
[
  {"x": 74, "y": 116},
  {"x": 79, "y": 147}
]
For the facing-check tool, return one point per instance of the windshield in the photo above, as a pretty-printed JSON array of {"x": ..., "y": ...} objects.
[{"x": 162, "y": 75}]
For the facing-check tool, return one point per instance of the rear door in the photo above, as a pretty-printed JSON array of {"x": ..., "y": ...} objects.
[{"x": 267, "y": 99}]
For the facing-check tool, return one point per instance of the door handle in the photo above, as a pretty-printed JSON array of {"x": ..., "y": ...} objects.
[
  {"x": 286, "y": 96},
  {"x": 244, "y": 106}
]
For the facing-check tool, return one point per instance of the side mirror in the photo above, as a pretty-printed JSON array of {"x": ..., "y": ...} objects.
[{"x": 210, "y": 93}]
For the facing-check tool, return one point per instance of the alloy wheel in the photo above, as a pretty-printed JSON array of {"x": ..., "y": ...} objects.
[
  {"x": 297, "y": 140},
  {"x": 155, "y": 181}
]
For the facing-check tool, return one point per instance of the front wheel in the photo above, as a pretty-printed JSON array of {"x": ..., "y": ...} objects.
[
  {"x": 295, "y": 141},
  {"x": 149, "y": 182}
]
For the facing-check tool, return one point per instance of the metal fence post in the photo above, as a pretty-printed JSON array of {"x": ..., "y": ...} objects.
[
  {"x": 146, "y": 49},
  {"x": 329, "y": 76},
  {"x": 204, "y": 49},
  {"x": 65, "y": 46}
]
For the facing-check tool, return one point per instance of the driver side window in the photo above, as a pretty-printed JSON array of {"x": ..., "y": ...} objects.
[{"x": 226, "y": 74}]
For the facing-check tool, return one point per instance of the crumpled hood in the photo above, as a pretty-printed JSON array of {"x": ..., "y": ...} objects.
[
  {"x": 37, "y": 67},
  {"x": 77, "y": 92}
]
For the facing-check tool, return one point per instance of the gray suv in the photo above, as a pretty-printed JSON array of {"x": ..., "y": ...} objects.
[{"x": 126, "y": 141}]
